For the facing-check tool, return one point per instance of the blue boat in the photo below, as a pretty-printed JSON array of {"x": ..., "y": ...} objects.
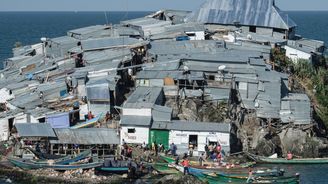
[
  {"x": 116, "y": 166},
  {"x": 87, "y": 123}
]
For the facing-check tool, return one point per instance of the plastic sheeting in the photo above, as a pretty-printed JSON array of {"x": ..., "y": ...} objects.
[{"x": 59, "y": 120}]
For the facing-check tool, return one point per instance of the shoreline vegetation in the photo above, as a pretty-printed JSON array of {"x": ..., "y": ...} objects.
[{"x": 312, "y": 79}]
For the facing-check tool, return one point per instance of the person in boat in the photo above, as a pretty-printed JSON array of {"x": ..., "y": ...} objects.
[
  {"x": 250, "y": 176},
  {"x": 90, "y": 115},
  {"x": 185, "y": 164},
  {"x": 201, "y": 159},
  {"x": 289, "y": 156}
]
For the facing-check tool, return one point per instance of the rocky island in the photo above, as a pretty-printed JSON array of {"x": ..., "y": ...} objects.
[{"x": 229, "y": 75}]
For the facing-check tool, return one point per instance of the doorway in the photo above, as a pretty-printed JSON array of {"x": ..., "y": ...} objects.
[{"x": 193, "y": 140}]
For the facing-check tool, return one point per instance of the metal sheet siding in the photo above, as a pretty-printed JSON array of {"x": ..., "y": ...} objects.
[
  {"x": 262, "y": 13},
  {"x": 34, "y": 130}
]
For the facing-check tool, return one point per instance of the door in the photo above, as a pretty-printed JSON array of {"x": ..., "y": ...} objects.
[
  {"x": 159, "y": 136},
  {"x": 193, "y": 140}
]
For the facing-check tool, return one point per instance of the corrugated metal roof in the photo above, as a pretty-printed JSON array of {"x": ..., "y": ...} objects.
[
  {"x": 192, "y": 126},
  {"x": 63, "y": 40},
  {"x": 178, "y": 75},
  {"x": 107, "y": 43},
  {"x": 86, "y": 136},
  {"x": 143, "y": 97},
  {"x": 100, "y": 56},
  {"x": 135, "y": 121},
  {"x": 87, "y": 30},
  {"x": 261, "y": 13},
  {"x": 218, "y": 93},
  {"x": 296, "y": 108},
  {"x": 168, "y": 65},
  {"x": 162, "y": 113},
  {"x": 172, "y": 31},
  {"x": 34, "y": 130}
]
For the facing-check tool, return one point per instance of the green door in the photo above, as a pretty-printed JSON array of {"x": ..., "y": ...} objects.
[{"x": 159, "y": 136}]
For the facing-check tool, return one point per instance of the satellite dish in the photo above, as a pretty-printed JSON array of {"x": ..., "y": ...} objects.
[
  {"x": 130, "y": 72},
  {"x": 185, "y": 68},
  {"x": 222, "y": 67},
  {"x": 249, "y": 37},
  {"x": 43, "y": 39}
]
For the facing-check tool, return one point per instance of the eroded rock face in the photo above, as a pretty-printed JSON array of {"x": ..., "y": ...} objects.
[
  {"x": 300, "y": 143},
  {"x": 268, "y": 140}
]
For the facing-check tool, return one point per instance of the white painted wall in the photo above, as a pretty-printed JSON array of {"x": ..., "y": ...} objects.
[
  {"x": 199, "y": 35},
  {"x": 4, "y": 129},
  {"x": 4, "y": 95},
  {"x": 141, "y": 135},
  {"x": 22, "y": 118},
  {"x": 136, "y": 112},
  {"x": 295, "y": 54},
  {"x": 38, "y": 48},
  {"x": 181, "y": 139}
]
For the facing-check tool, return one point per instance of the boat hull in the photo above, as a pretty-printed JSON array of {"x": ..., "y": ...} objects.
[
  {"x": 26, "y": 164},
  {"x": 262, "y": 159}
]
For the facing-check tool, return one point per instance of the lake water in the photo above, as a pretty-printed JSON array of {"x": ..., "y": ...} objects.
[{"x": 29, "y": 27}]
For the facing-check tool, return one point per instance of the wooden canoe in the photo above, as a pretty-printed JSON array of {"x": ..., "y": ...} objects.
[
  {"x": 28, "y": 164},
  {"x": 88, "y": 123},
  {"x": 67, "y": 159},
  {"x": 113, "y": 169},
  {"x": 256, "y": 179},
  {"x": 210, "y": 165},
  {"x": 262, "y": 159},
  {"x": 43, "y": 155}
]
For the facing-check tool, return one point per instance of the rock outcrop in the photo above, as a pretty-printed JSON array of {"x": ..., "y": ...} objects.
[{"x": 178, "y": 179}]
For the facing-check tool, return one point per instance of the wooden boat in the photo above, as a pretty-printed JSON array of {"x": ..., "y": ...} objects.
[
  {"x": 64, "y": 160},
  {"x": 67, "y": 159},
  {"x": 113, "y": 169},
  {"x": 164, "y": 168},
  {"x": 255, "y": 179},
  {"x": 262, "y": 159},
  {"x": 116, "y": 166},
  {"x": 28, "y": 164},
  {"x": 256, "y": 173},
  {"x": 87, "y": 123},
  {"x": 211, "y": 165}
]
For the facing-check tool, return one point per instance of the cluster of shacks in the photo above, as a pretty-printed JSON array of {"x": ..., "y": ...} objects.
[{"x": 220, "y": 52}]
